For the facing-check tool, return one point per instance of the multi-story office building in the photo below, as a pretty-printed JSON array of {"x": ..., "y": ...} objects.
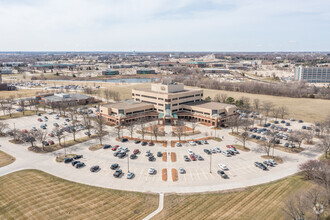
[
  {"x": 312, "y": 74},
  {"x": 167, "y": 102}
]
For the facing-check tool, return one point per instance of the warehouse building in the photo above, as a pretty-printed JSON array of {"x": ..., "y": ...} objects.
[
  {"x": 145, "y": 71},
  {"x": 66, "y": 99}
]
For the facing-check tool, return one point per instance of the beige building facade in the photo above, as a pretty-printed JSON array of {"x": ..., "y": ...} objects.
[{"x": 168, "y": 102}]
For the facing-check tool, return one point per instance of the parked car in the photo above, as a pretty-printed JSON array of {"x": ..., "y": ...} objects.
[
  {"x": 150, "y": 143},
  {"x": 136, "y": 151},
  {"x": 114, "y": 148},
  {"x": 79, "y": 165},
  {"x": 121, "y": 155},
  {"x": 198, "y": 142},
  {"x": 137, "y": 141},
  {"x": 226, "y": 153},
  {"x": 199, "y": 157},
  {"x": 51, "y": 142},
  {"x": 192, "y": 143},
  {"x": 106, "y": 146},
  {"x": 56, "y": 125},
  {"x": 68, "y": 160},
  {"x": 151, "y": 171},
  {"x": 87, "y": 133},
  {"x": 114, "y": 166},
  {"x": 186, "y": 158},
  {"x": 118, "y": 173},
  {"x": 132, "y": 156},
  {"x": 207, "y": 151},
  {"x": 151, "y": 158},
  {"x": 181, "y": 170},
  {"x": 260, "y": 165},
  {"x": 205, "y": 142},
  {"x": 223, "y": 166},
  {"x": 300, "y": 121},
  {"x": 130, "y": 175},
  {"x": 159, "y": 154},
  {"x": 75, "y": 162},
  {"x": 178, "y": 144},
  {"x": 51, "y": 135},
  {"x": 39, "y": 119},
  {"x": 144, "y": 143},
  {"x": 76, "y": 157},
  {"x": 218, "y": 150},
  {"x": 192, "y": 157},
  {"x": 123, "y": 139},
  {"x": 222, "y": 174}
]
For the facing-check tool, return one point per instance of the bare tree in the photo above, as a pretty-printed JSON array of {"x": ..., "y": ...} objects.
[
  {"x": 155, "y": 130},
  {"x": 179, "y": 129},
  {"x": 194, "y": 123},
  {"x": 142, "y": 126},
  {"x": 87, "y": 122},
  {"x": 243, "y": 138},
  {"x": 32, "y": 136},
  {"x": 324, "y": 145},
  {"x": 276, "y": 113},
  {"x": 118, "y": 129},
  {"x": 295, "y": 207},
  {"x": 130, "y": 128},
  {"x": 41, "y": 136},
  {"x": 267, "y": 108},
  {"x": 223, "y": 97},
  {"x": 100, "y": 127},
  {"x": 58, "y": 133},
  {"x": 9, "y": 107},
  {"x": 217, "y": 98},
  {"x": 3, "y": 126},
  {"x": 283, "y": 111},
  {"x": 308, "y": 136},
  {"x": 266, "y": 147},
  {"x": 256, "y": 104},
  {"x": 107, "y": 95},
  {"x": 298, "y": 137}
]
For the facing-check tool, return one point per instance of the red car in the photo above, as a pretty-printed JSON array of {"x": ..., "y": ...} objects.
[
  {"x": 50, "y": 142},
  {"x": 24, "y": 131},
  {"x": 39, "y": 119},
  {"x": 229, "y": 146},
  {"x": 136, "y": 151},
  {"x": 114, "y": 148},
  {"x": 151, "y": 143},
  {"x": 192, "y": 157},
  {"x": 51, "y": 135}
]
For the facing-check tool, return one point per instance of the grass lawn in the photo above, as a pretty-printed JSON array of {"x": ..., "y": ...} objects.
[
  {"x": 19, "y": 114},
  {"x": 298, "y": 108},
  {"x": 257, "y": 202},
  {"x": 5, "y": 159},
  {"x": 32, "y": 194},
  {"x": 20, "y": 92},
  {"x": 95, "y": 147}
]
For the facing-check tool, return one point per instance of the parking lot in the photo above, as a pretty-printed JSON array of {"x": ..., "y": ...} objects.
[{"x": 241, "y": 171}]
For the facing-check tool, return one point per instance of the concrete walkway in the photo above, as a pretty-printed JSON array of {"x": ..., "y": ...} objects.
[{"x": 159, "y": 209}]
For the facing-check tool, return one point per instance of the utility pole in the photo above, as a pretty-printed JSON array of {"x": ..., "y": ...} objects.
[
  {"x": 210, "y": 162},
  {"x": 127, "y": 163}
]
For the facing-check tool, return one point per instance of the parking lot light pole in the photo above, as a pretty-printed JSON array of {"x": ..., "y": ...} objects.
[
  {"x": 127, "y": 163},
  {"x": 210, "y": 162}
]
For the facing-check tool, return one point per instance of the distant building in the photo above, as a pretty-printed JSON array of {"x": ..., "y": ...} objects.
[
  {"x": 110, "y": 72},
  {"x": 67, "y": 99},
  {"x": 312, "y": 74},
  {"x": 216, "y": 71},
  {"x": 145, "y": 71},
  {"x": 196, "y": 64},
  {"x": 6, "y": 70}
]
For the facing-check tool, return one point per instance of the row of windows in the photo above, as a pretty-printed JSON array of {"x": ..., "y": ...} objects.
[{"x": 151, "y": 97}]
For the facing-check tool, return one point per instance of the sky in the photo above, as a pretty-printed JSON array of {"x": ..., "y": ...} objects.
[{"x": 165, "y": 25}]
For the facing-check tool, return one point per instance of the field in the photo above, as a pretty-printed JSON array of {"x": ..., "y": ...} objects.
[
  {"x": 32, "y": 194},
  {"x": 5, "y": 159},
  {"x": 258, "y": 202},
  {"x": 21, "y": 92},
  {"x": 310, "y": 110}
]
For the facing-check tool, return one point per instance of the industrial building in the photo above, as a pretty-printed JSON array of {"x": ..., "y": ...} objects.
[
  {"x": 66, "y": 99},
  {"x": 110, "y": 72},
  {"x": 312, "y": 74},
  {"x": 145, "y": 71},
  {"x": 167, "y": 102}
]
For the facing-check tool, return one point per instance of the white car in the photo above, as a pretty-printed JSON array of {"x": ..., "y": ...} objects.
[
  {"x": 218, "y": 150},
  {"x": 178, "y": 144},
  {"x": 192, "y": 143},
  {"x": 151, "y": 170},
  {"x": 64, "y": 123},
  {"x": 223, "y": 166},
  {"x": 272, "y": 161},
  {"x": 190, "y": 152},
  {"x": 181, "y": 170},
  {"x": 226, "y": 153}
]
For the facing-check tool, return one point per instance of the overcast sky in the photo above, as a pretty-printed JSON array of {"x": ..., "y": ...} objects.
[{"x": 164, "y": 25}]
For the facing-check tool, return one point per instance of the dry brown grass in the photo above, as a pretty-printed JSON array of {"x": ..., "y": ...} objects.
[
  {"x": 95, "y": 147},
  {"x": 60, "y": 159},
  {"x": 175, "y": 176},
  {"x": 164, "y": 174},
  {"x": 257, "y": 202},
  {"x": 6, "y": 159},
  {"x": 299, "y": 108},
  {"x": 173, "y": 157},
  {"x": 32, "y": 194},
  {"x": 18, "y": 93},
  {"x": 19, "y": 114}
]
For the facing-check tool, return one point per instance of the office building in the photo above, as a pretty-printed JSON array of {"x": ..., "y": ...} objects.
[{"x": 312, "y": 74}]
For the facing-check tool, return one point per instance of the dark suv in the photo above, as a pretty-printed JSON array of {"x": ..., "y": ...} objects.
[
  {"x": 117, "y": 173},
  {"x": 114, "y": 166}
]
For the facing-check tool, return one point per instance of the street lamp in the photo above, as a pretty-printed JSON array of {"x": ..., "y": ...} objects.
[{"x": 210, "y": 162}]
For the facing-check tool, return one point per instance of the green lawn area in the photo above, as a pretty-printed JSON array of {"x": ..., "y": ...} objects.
[
  {"x": 257, "y": 202},
  {"x": 32, "y": 194}
]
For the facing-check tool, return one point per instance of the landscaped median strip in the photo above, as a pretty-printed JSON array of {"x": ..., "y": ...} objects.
[
  {"x": 164, "y": 156},
  {"x": 173, "y": 157},
  {"x": 174, "y": 174},
  {"x": 164, "y": 174}
]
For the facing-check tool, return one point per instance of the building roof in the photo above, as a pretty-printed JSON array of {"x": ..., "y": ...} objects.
[
  {"x": 127, "y": 105},
  {"x": 71, "y": 97},
  {"x": 210, "y": 105},
  {"x": 149, "y": 90}
]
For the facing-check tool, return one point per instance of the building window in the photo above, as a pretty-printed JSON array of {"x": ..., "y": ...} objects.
[
  {"x": 167, "y": 100},
  {"x": 174, "y": 99},
  {"x": 160, "y": 99}
]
